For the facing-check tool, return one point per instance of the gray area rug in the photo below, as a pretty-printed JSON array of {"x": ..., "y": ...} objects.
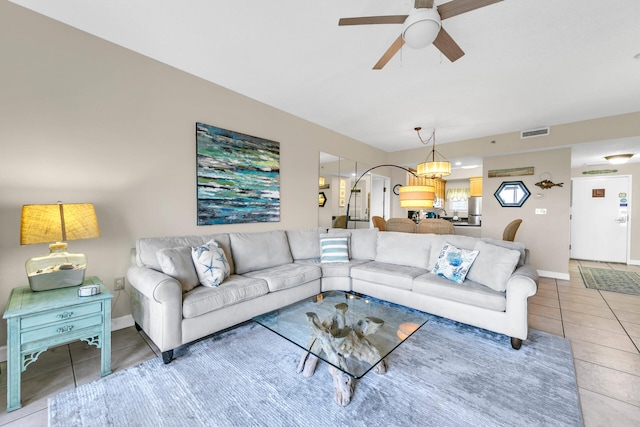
[
  {"x": 605, "y": 279},
  {"x": 446, "y": 374}
]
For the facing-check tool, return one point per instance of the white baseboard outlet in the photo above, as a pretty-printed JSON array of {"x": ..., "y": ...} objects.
[{"x": 117, "y": 323}]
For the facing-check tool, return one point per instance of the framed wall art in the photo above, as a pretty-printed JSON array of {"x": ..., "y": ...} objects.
[{"x": 238, "y": 177}]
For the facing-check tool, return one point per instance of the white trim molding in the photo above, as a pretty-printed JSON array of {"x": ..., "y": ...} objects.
[{"x": 554, "y": 275}]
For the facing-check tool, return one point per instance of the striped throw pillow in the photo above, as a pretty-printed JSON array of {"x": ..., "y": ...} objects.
[{"x": 334, "y": 248}]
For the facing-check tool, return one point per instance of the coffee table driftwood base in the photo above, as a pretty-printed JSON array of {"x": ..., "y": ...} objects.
[
  {"x": 340, "y": 341},
  {"x": 356, "y": 335}
]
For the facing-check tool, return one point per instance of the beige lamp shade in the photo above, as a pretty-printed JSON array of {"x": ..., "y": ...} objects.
[
  {"x": 434, "y": 169},
  {"x": 417, "y": 196},
  {"x": 57, "y": 223}
]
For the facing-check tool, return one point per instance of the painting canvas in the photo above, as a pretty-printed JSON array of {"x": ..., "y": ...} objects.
[{"x": 238, "y": 177}]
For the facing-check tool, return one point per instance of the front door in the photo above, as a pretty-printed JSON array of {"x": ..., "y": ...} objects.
[{"x": 600, "y": 218}]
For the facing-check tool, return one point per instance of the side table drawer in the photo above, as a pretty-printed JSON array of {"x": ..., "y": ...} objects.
[
  {"x": 61, "y": 315},
  {"x": 60, "y": 329}
]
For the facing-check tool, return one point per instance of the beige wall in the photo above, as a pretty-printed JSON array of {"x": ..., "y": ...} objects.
[
  {"x": 83, "y": 120},
  {"x": 546, "y": 236}
]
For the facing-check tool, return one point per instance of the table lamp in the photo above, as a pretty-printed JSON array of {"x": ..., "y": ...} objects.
[{"x": 54, "y": 224}]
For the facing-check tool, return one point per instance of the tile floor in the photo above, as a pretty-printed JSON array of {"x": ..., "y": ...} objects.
[{"x": 604, "y": 329}]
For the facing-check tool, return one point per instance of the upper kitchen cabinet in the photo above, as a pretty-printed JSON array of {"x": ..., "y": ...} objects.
[{"x": 475, "y": 186}]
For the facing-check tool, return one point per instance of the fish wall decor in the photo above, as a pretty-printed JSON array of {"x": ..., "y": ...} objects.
[{"x": 546, "y": 184}]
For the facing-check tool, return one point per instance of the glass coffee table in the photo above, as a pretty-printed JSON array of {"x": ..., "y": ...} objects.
[{"x": 353, "y": 333}]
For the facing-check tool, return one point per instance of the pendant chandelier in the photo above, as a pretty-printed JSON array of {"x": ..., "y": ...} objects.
[{"x": 432, "y": 169}]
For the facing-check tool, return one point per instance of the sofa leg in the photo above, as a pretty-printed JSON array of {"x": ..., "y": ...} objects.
[
  {"x": 138, "y": 328},
  {"x": 516, "y": 343},
  {"x": 167, "y": 356}
]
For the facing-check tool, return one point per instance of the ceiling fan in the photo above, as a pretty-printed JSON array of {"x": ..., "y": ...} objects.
[{"x": 422, "y": 27}]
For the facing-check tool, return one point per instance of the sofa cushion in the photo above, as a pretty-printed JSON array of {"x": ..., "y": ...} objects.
[
  {"x": 362, "y": 243},
  {"x": 392, "y": 275},
  {"x": 518, "y": 246},
  {"x": 334, "y": 248},
  {"x": 177, "y": 263},
  {"x": 454, "y": 263},
  {"x": 210, "y": 263},
  {"x": 493, "y": 266},
  {"x": 438, "y": 240},
  {"x": 334, "y": 269},
  {"x": 287, "y": 276},
  {"x": 257, "y": 251},
  {"x": 305, "y": 244},
  {"x": 412, "y": 250},
  {"x": 235, "y": 289},
  {"x": 467, "y": 293},
  {"x": 147, "y": 248}
]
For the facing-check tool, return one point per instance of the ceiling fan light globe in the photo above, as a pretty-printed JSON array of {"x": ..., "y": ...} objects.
[{"x": 421, "y": 28}]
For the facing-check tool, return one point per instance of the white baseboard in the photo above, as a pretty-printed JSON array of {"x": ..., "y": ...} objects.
[
  {"x": 122, "y": 322},
  {"x": 117, "y": 323},
  {"x": 634, "y": 262},
  {"x": 554, "y": 275}
]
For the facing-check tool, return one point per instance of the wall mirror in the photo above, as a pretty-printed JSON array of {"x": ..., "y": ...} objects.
[
  {"x": 336, "y": 179},
  {"x": 512, "y": 194}
]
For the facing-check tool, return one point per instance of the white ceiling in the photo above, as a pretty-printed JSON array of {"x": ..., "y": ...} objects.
[{"x": 528, "y": 63}]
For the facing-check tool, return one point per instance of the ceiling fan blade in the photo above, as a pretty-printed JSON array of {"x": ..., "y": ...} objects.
[
  {"x": 457, "y": 7},
  {"x": 366, "y": 20},
  {"x": 448, "y": 46},
  {"x": 393, "y": 49},
  {"x": 421, "y": 4}
]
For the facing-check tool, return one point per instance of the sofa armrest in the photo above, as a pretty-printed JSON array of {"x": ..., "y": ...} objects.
[
  {"x": 160, "y": 314},
  {"x": 522, "y": 284},
  {"x": 156, "y": 285}
]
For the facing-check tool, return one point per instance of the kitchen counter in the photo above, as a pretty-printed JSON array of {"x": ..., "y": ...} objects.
[{"x": 462, "y": 222}]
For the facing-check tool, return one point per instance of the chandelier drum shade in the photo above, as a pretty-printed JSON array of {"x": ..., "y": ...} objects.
[
  {"x": 54, "y": 224},
  {"x": 417, "y": 196},
  {"x": 434, "y": 169}
]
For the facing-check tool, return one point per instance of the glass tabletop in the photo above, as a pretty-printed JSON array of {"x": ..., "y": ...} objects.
[{"x": 353, "y": 332}]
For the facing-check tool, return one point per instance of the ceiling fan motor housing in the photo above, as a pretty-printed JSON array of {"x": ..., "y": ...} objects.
[{"x": 421, "y": 27}]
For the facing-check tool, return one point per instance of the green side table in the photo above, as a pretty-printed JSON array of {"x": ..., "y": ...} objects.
[{"x": 37, "y": 321}]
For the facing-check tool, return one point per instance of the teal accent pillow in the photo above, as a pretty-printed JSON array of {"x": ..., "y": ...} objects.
[
  {"x": 334, "y": 248},
  {"x": 454, "y": 263},
  {"x": 211, "y": 264}
]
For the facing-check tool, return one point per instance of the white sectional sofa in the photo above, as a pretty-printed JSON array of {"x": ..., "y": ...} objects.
[{"x": 269, "y": 270}]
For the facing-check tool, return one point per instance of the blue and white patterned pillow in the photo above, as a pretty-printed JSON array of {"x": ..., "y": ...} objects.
[
  {"x": 211, "y": 264},
  {"x": 334, "y": 248},
  {"x": 454, "y": 263}
]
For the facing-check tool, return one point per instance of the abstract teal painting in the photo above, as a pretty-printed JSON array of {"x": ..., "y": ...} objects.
[{"x": 238, "y": 177}]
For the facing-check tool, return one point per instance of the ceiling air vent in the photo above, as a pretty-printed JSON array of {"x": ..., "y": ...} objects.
[{"x": 534, "y": 132}]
